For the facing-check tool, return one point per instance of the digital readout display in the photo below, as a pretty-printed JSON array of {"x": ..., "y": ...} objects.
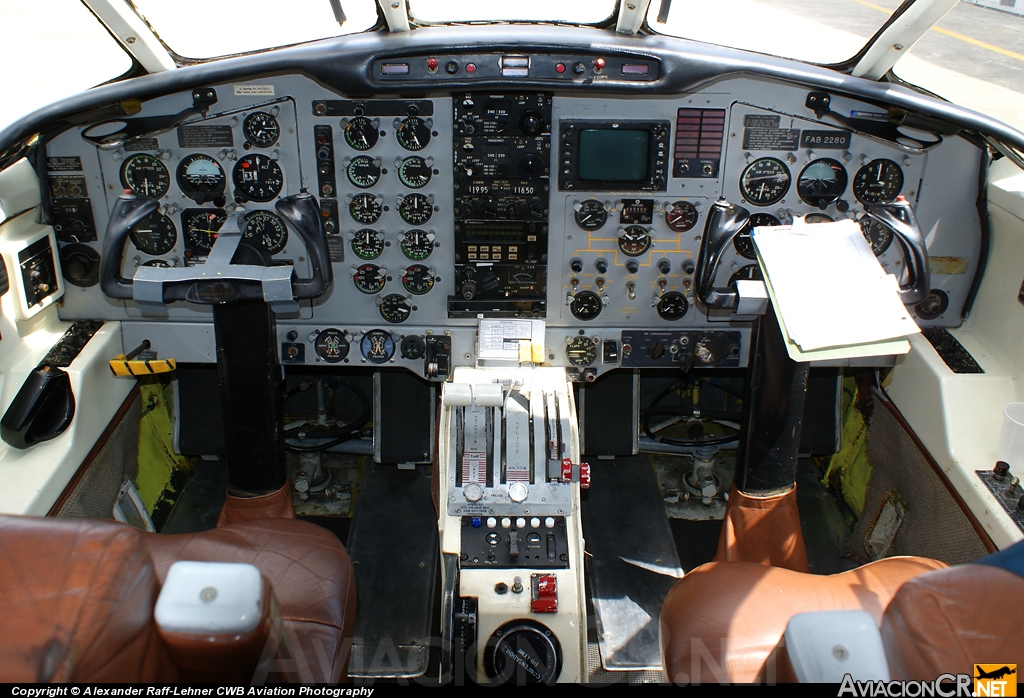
[{"x": 613, "y": 155}]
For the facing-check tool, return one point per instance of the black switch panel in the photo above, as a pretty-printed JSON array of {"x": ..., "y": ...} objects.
[
  {"x": 38, "y": 271},
  {"x": 528, "y": 546}
]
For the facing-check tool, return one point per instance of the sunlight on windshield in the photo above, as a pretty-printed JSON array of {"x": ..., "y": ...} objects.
[
  {"x": 817, "y": 31},
  {"x": 203, "y": 29},
  {"x": 576, "y": 11},
  {"x": 32, "y": 32}
]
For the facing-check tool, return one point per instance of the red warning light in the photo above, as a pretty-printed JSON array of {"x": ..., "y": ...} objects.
[{"x": 432, "y": 64}]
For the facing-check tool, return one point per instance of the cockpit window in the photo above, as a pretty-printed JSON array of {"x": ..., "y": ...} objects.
[
  {"x": 46, "y": 41},
  {"x": 575, "y": 11},
  {"x": 201, "y": 30},
  {"x": 817, "y": 31},
  {"x": 974, "y": 56}
]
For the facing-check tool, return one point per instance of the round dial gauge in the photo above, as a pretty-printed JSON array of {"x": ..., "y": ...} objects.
[
  {"x": 591, "y": 215},
  {"x": 751, "y": 272},
  {"x": 365, "y": 208},
  {"x": 764, "y": 182},
  {"x": 742, "y": 242},
  {"x": 417, "y": 279},
  {"x": 200, "y": 178},
  {"x": 413, "y": 133},
  {"x": 155, "y": 234},
  {"x": 672, "y": 306},
  {"x": 265, "y": 230},
  {"x": 681, "y": 216},
  {"x": 414, "y": 172},
  {"x": 158, "y": 263},
  {"x": 634, "y": 240},
  {"x": 363, "y": 171},
  {"x": 581, "y": 351},
  {"x": 878, "y": 236},
  {"x": 879, "y": 181},
  {"x": 817, "y": 218},
  {"x": 417, "y": 244},
  {"x": 368, "y": 244},
  {"x": 201, "y": 226},
  {"x": 822, "y": 182},
  {"x": 331, "y": 345},
  {"x": 145, "y": 175},
  {"x": 377, "y": 346},
  {"x": 258, "y": 177},
  {"x": 586, "y": 305},
  {"x": 394, "y": 308},
  {"x": 415, "y": 209},
  {"x": 361, "y": 133},
  {"x": 261, "y": 129},
  {"x": 369, "y": 278}
]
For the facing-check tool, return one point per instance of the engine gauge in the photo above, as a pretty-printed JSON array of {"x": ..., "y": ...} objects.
[
  {"x": 590, "y": 215},
  {"x": 369, "y": 278},
  {"x": 637, "y": 211},
  {"x": 681, "y": 216},
  {"x": 878, "y": 236},
  {"x": 413, "y": 133},
  {"x": 743, "y": 243},
  {"x": 145, "y": 175},
  {"x": 361, "y": 133},
  {"x": 879, "y": 181},
  {"x": 368, "y": 244},
  {"x": 586, "y": 305},
  {"x": 764, "y": 181},
  {"x": 265, "y": 230},
  {"x": 634, "y": 240},
  {"x": 415, "y": 209},
  {"x": 812, "y": 218},
  {"x": 417, "y": 244},
  {"x": 200, "y": 178},
  {"x": 331, "y": 345},
  {"x": 394, "y": 308},
  {"x": 377, "y": 346},
  {"x": 581, "y": 351},
  {"x": 261, "y": 129},
  {"x": 201, "y": 226},
  {"x": 155, "y": 234},
  {"x": 418, "y": 279},
  {"x": 365, "y": 208},
  {"x": 822, "y": 182},
  {"x": 258, "y": 177},
  {"x": 751, "y": 272},
  {"x": 158, "y": 264},
  {"x": 363, "y": 171},
  {"x": 414, "y": 172},
  {"x": 672, "y": 306}
]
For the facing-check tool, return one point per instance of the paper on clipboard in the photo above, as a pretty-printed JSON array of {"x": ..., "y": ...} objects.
[{"x": 830, "y": 292}]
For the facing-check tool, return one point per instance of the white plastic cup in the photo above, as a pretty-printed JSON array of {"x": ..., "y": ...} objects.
[{"x": 1011, "y": 439}]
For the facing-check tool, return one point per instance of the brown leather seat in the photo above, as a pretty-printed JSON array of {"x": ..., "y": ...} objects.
[
  {"x": 81, "y": 593},
  {"x": 724, "y": 620}
]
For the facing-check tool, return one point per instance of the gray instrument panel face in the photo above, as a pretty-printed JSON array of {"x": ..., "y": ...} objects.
[{"x": 760, "y": 120}]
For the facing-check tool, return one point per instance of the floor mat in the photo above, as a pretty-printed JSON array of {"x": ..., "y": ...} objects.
[
  {"x": 631, "y": 561},
  {"x": 200, "y": 501},
  {"x": 393, "y": 546},
  {"x": 696, "y": 541}
]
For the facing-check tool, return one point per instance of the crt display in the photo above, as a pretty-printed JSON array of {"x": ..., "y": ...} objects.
[{"x": 613, "y": 155}]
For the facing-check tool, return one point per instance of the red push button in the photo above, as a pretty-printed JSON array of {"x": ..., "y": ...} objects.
[
  {"x": 431, "y": 64},
  {"x": 559, "y": 68},
  {"x": 545, "y": 593}
]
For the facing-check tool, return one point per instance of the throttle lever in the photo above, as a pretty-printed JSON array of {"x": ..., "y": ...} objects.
[
  {"x": 724, "y": 222},
  {"x": 303, "y": 212},
  {"x": 899, "y": 217},
  {"x": 127, "y": 213}
]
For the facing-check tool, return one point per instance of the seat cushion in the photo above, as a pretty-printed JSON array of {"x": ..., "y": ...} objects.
[
  {"x": 947, "y": 621},
  {"x": 76, "y": 603},
  {"x": 310, "y": 574},
  {"x": 723, "y": 621}
]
